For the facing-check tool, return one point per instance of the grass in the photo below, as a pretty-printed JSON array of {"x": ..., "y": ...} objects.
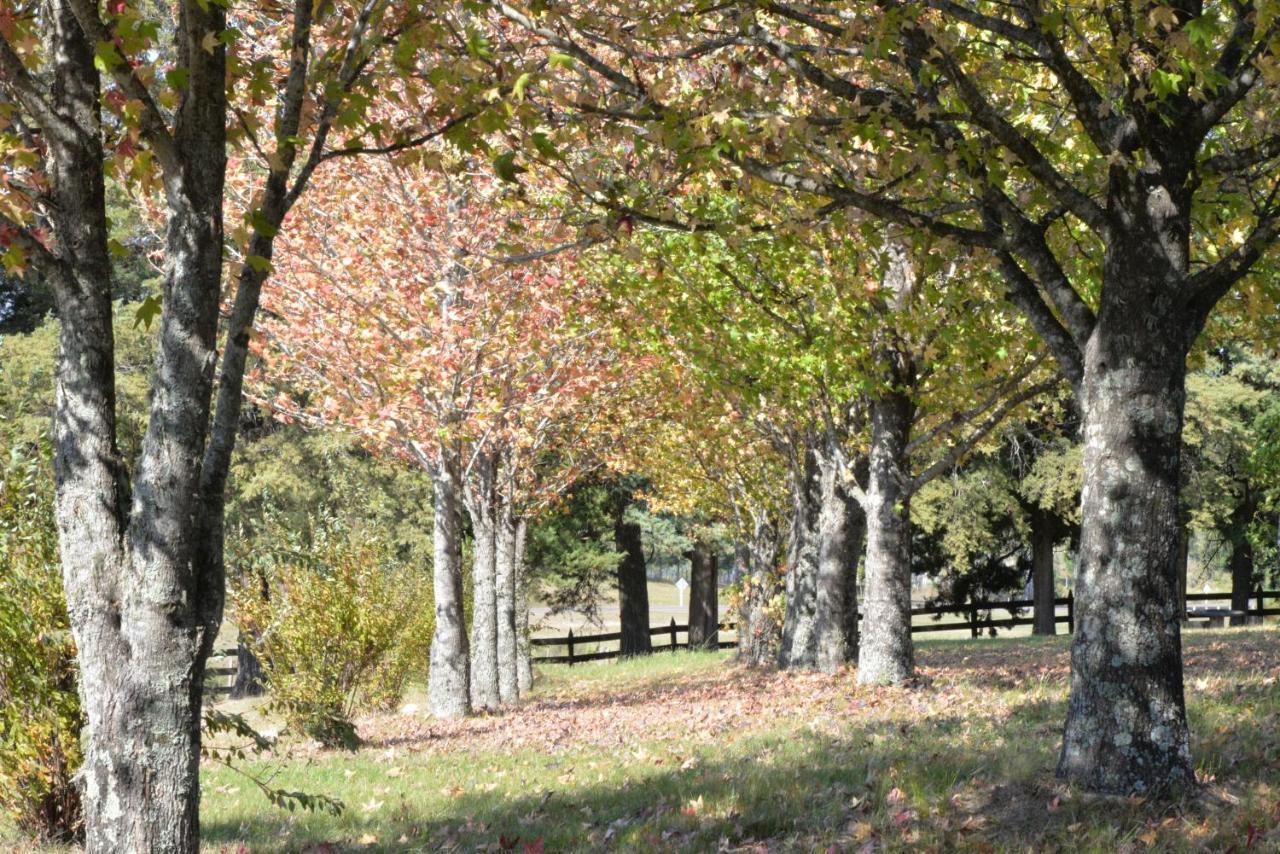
[{"x": 689, "y": 752}]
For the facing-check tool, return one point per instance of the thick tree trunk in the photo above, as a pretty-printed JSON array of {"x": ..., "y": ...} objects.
[
  {"x": 484, "y": 600},
  {"x": 796, "y": 648},
  {"x": 448, "y": 680},
  {"x": 759, "y": 634},
  {"x": 826, "y": 536},
  {"x": 886, "y": 654},
  {"x": 524, "y": 657},
  {"x": 1126, "y": 727},
  {"x": 508, "y": 665},
  {"x": 144, "y": 595},
  {"x": 633, "y": 589},
  {"x": 704, "y": 605},
  {"x": 1043, "y": 530},
  {"x": 1242, "y": 557}
]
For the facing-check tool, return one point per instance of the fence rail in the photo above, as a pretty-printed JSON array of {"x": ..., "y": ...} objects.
[
  {"x": 220, "y": 676},
  {"x": 978, "y": 618},
  {"x": 572, "y": 657}
]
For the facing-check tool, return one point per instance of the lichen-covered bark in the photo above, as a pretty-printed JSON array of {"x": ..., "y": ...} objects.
[
  {"x": 524, "y": 658},
  {"x": 508, "y": 665},
  {"x": 823, "y": 553},
  {"x": 704, "y": 608},
  {"x": 633, "y": 589},
  {"x": 759, "y": 633},
  {"x": 886, "y": 654},
  {"x": 484, "y": 596},
  {"x": 797, "y": 645},
  {"x": 1042, "y": 593},
  {"x": 448, "y": 680}
]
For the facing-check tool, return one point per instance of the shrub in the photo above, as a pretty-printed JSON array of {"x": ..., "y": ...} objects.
[
  {"x": 343, "y": 625},
  {"x": 40, "y": 715}
]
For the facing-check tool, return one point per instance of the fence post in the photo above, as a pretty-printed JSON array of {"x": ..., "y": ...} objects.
[
  {"x": 673, "y": 635},
  {"x": 571, "y": 647},
  {"x": 1071, "y": 612},
  {"x": 973, "y": 618}
]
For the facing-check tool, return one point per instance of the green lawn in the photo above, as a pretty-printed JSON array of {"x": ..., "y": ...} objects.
[{"x": 689, "y": 752}]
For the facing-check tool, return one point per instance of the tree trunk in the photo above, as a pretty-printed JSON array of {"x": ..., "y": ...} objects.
[
  {"x": 1042, "y": 592},
  {"x": 1241, "y": 560},
  {"x": 854, "y": 548},
  {"x": 886, "y": 654},
  {"x": 448, "y": 680},
  {"x": 1126, "y": 727},
  {"x": 508, "y": 666},
  {"x": 797, "y": 647},
  {"x": 633, "y": 589},
  {"x": 249, "y": 681},
  {"x": 704, "y": 605},
  {"x": 826, "y": 538},
  {"x": 144, "y": 594},
  {"x": 484, "y": 597},
  {"x": 759, "y": 634},
  {"x": 1184, "y": 563},
  {"x": 524, "y": 658}
]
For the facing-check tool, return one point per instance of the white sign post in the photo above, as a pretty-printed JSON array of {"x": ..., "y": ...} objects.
[{"x": 681, "y": 587}]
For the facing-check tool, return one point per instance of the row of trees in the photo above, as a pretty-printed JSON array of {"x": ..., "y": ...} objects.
[{"x": 1100, "y": 177}]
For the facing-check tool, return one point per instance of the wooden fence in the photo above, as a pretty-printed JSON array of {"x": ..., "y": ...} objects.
[
  {"x": 571, "y": 642},
  {"x": 977, "y": 617}
]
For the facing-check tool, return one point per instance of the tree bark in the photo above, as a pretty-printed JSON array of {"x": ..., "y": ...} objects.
[
  {"x": 448, "y": 681},
  {"x": 249, "y": 681},
  {"x": 886, "y": 654},
  {"x": 633, "y": 589},
  {"x": 1043, "y": 530},
  {"x": 508, "y": 665},
  {"x": 759, "y": 634},
  {"x": 144, "y": 597},
  {"x": 1241, "y": 561},
  {"x": 484, "y": 591},
  {"x": 524, "y": 658},
  {"x": 796, "y": 649},
  {"x": 1126, "y": 727},
  {"x": 856, "y": 546},
  {"x": 704, "y": 605},
  {"x": 826, "y": 536}
]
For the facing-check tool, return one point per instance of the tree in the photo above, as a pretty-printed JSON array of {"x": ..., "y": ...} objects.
[
  {"x": 704, "y": 592},
  {"x": 854, "y": 362},
  {"x": 496, "y": 378},
  {"x": 141, "y": 545},
  {"x": 1113, "y": 165}
]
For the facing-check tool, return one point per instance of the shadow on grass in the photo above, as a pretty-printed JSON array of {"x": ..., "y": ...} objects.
[
  {"x": 979, "y": 777},
  {"x": 942, "y": 782}
]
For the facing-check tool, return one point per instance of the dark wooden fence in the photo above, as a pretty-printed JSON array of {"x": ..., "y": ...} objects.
[
  {"x": 976, "y": 618},
  {"x": 670, "y": 633},
  {"x": 220, "y": 673}
]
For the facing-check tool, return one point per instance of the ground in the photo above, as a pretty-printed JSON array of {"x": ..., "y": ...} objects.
[{"x": 691, "y": 752}]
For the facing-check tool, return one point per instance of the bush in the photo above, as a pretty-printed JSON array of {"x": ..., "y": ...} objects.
[
  {"x": 40, "y": 715},
  {"x": 343, "y": 625}
]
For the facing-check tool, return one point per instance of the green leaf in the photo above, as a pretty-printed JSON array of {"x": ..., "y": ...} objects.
[
  {"x": 545, "y": 146},
  {"x": 117, "y": 249},
  {"x": 507, "y": 168},
  {"x": 560, "y": 60},
  {"x": 257, "y": 262},
  {"x": 517, "y": 90},
  {"x": 148, "y": 310}
]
